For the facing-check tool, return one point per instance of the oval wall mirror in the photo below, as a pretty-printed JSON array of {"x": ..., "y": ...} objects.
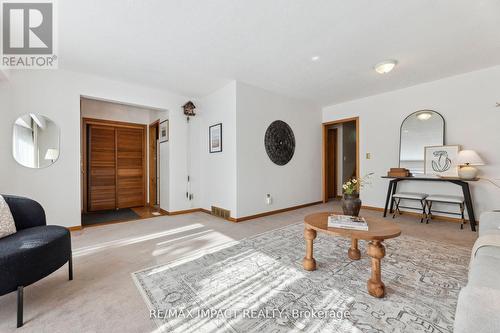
[
  {"x": 419, "y": 130},
  {"x": 35, "y": 141}
]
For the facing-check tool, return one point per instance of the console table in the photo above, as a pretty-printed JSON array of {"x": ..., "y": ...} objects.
[{"x": 393, "y": 184}]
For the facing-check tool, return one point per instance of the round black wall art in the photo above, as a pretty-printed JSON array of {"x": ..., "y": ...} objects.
[{"x": 279, "y": 142}]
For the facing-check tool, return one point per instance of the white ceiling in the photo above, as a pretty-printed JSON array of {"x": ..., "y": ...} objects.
[{"x": 194, "y": 47}]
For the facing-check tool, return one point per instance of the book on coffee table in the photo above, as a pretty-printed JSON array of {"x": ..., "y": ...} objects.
[{"x": 347, "y": 222}]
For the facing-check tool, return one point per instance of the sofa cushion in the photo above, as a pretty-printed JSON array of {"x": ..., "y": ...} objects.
[
  {"x": 485, "y": 271},
  {"x": 7, "y": 224},
  {"x": 31, "y": 254},
  {"x": 489, "y": 223},
  {"x": 477, "y": 310}
]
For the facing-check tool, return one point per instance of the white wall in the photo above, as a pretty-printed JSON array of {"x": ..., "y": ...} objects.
[
  {"x": 296, "y": 183},
  {"x": 241, "y": 175},
  {"x": 467, "y": 102},
  {"x": 218, "y": 171},
  {"x": 92, "y": 108},
  {"x": 56, "y": 94},
  {"x": 4, "y": 75}
]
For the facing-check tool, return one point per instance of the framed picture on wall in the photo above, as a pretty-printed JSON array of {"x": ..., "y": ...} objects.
[
  {"x": 441, "y": 160},
  {"x": 215, "y": 138},
  {"x": 163, "y": 135}
]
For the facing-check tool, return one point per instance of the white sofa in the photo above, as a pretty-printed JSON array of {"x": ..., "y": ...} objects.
[{"x": 478, "y": 308}]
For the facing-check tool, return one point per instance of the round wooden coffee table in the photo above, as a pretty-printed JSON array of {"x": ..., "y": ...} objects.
[{"x": 378, "y": 231}]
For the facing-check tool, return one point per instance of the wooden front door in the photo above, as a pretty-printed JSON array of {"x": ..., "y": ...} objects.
[
  {"x": 102, "y": 168},
  {"x": 116, "y": 165},
  {"x": 130, "y": 159}
]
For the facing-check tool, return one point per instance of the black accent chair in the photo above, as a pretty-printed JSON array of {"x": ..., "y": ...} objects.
[{"x": 33, "y": 252}]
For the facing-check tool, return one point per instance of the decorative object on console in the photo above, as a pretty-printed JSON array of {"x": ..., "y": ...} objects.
[
  {"x": 441, "y": 160},
  {"x": 351, "y": 203},
  {"x": 164, "y": 131},
  {"x": 467, "y": 159},
  {"x": 398, "y": 172},
  {"x": 189, "y": 109},
  {"x": 279, "y": 141},
  {"x": 215, "y": 138}
]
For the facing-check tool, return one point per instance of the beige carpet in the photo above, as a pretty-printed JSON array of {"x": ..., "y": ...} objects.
[
  {"x": 259, "y": 285},
  {"x": 103, "y": 297}
]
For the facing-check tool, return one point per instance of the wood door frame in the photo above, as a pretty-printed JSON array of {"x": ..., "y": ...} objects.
[
  {"x": 84, "y": 153},
  {"x": 152, "y": 161},
  {"x": 324, "y": 128}
]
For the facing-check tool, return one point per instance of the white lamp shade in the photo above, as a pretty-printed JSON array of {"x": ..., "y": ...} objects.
[
  {"x": 52, "y": 154},
  {"x": 469, "y": 157}
]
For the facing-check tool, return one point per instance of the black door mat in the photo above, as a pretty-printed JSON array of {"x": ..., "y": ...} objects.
[{"x": 104, "y": 216}]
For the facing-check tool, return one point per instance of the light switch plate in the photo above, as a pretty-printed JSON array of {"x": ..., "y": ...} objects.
[{"x": 368, "y": 156}]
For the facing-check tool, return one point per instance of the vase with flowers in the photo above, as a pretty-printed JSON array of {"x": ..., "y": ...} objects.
[{"x": 351, "y": 203}]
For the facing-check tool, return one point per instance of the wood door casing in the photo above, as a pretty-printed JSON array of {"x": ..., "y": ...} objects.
[
  {"x": 153, "y": 174},
  {"x": 102, "y": 168},
  {"x": 324, "y": 154},
  {"x": 130, "y": 171}
]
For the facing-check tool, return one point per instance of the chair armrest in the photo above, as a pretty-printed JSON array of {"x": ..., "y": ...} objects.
[{"x": 27, "y": 213}]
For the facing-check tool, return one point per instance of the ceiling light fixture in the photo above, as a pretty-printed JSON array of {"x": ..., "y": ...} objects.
[
  {"x": 315, "y": 58},
  {"x": 424, "y": 115},
  {"x": 385, "y": 66}
]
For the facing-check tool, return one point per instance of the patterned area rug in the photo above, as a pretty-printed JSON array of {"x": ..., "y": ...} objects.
[{"x": 258, "y": 285}]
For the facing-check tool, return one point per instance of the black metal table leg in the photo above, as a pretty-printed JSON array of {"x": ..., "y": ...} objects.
[
  {"x": 389, "y": 191},
  {"x": 468, "y": 203},
  {"x": 394, "y": 187}
]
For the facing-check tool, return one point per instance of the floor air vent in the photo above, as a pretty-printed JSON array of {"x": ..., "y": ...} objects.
[{"x": 220, "y": 212}]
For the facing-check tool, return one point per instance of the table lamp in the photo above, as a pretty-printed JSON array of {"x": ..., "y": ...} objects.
[
  {"x": 52, "y": 154},
  {"x": 467, "y": 159}
]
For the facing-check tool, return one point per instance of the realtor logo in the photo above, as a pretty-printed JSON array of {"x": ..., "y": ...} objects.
[{"x": 28, "y": 35}]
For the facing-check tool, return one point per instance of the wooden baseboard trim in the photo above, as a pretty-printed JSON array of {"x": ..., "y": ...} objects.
[
  {"x": 434, "y": 217},
  {"x": 186, "y": 211},
  {"x": 230, "y": 219},
  {"x": 250, "y": 217},
  {"x": 273, "y": 212}
]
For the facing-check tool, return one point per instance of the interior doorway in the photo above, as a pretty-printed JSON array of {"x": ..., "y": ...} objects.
[
  {"x": 119, "y": 162},
  {"x": 340, "y": 155},
  {"x": 154, "y": 159},
  {"x": 332, "y": 173}
]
